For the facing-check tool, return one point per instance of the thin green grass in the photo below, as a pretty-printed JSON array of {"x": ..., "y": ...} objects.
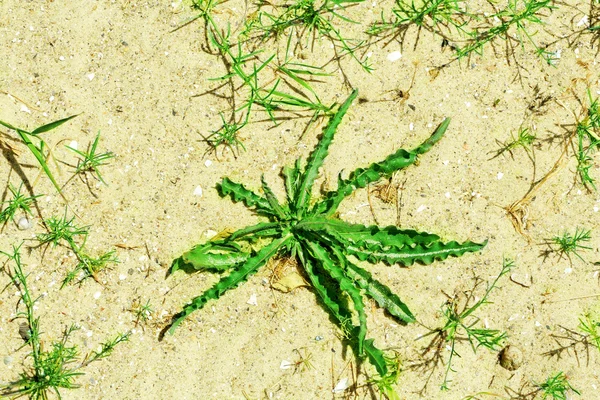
[
  {"x": 567, "y": 244},
  {"x": 40, "y": 150},
  {"x": 19, "y": 202},
  {"x": 587, "y": 136},
  {"x": 63, "y": 230},
  {"x": 90, "y": 161},
  {"x": 48, "y": 371},
  {"x": 462, "y": 325}
]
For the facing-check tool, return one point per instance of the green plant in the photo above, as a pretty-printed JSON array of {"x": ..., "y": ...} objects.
[
  {"x": 590, "y": 326},
  {"x": 556, "y": 387},
  {"x": 54, "y": 369},
  {"x": 309, "y": 232},
  {"x": 524, "y": 140},
  {"x": 440, "y": 17},
  {"x": 567, "y": 244},
  {"x": 314, "y": 17},
  {"x": 64, "y": 230},
  {"x": 460, "y": 324},
  {"x": 244, "y": 79},
  {"x": 142, "y": 312},
  {"x": 90, "y": 161},
  {"x": 18, "y": 202},
  {"x": 587, "y": 134},
  {"x": 513, "y": 28},
  {"x": 39, "y": 150}
]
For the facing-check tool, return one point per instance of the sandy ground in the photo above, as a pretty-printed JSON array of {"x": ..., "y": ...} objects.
[{"x": 117, "y": 64}]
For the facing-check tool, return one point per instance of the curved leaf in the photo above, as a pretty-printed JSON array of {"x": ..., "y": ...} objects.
[
  {"x": 318, "y": 156},
  {"x": 363, "y": 236},
  {"x": 322, "y": 256},
  {"x": 379, "y": 292},
  {"x": 214, "y": 257},
  {"x": 238, "y": 192},
  {"x": 361, "y": 177},
  {"x": 232, "y": 280}
]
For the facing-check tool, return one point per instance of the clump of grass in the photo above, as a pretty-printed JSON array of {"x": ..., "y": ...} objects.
[
  {"x": 19, "y": 202},
  {"x": 90, "y": 162},
  {"x": 40, "y": 150},
  {"x": 587, "y": 134},
  {"x": 514, "y": 28},
  {"x": 569, "y": 244},
  {"x": 589, "y": 324},
  {"x": 444, "y": 18},
  {"x": 62, "y": 230},
  {"x": 142, "y": 312},
  {"x": 556, "y": 387},
  {"x": 462, "y": 325},
  {"x": 309, "y": 18},
  {"x": 53, "y": 369},
  {"x": 276, "y": 84},
  {"x": 524, "y": 140}
]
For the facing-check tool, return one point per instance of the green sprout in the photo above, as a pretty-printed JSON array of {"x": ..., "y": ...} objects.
[
  {"x": 18, "y": 202},
  {"x": 90, "y": 162}
]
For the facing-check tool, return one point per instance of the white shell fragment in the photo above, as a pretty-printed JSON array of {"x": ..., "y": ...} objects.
[
  {"x": 23, "y": 223},
  {"x": 91, "y": 76},
  {"x": 341, "y": 385},
  {"x": 198, "y": 191},
  {"x": 394, "y": 56},
  {"x": 252, "y": 300},
  {"x": 285, "y": 364}
]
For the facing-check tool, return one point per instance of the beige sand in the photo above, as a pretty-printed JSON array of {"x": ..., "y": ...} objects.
[{"x": 117, "y": 64}]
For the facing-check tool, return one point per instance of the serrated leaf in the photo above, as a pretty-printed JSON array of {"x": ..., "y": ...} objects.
[
  {"x": 215, "y": 256},
  {"x": 232, "y": 280},
  {"x": 363, "y": 236},
  {"x": 361, "y": 177},
  {"x": 272, "y": 199},
  {"x": 238, "y": 192},
  {"x": 407, "y": 256},
  {"x": 321, "y": 255},
  {"x": 379, "y": 292},
  {"x": 318, "y": 156},
  {"x": 376, "y": 357}
]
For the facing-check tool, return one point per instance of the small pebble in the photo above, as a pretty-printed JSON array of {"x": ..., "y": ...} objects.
[
  {"x": 198, "y": 191},
  {"x": 8, "y": 360},
  {"x": 341, "y": 385},
  {"x": 318, "y": 338},
  {"x": 252, "y": 300},
  {"x": 511, "y": 357},
  {"x": 285, "y": 364},
  {"x": 394, "y": 56},
  {"x": 24, "y": 224}
]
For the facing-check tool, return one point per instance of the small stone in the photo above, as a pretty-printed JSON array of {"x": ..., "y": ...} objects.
[
  {"x": 285, "y": 364},
  {"x": 252, "y": 300},
  {"x": 24, "y": 224},
  {"x": 8, "y": 360},
  {"x": 394, "y": 56},
  {"x": 511, "y": 357},
  {"x": 198, "y": 191}
]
